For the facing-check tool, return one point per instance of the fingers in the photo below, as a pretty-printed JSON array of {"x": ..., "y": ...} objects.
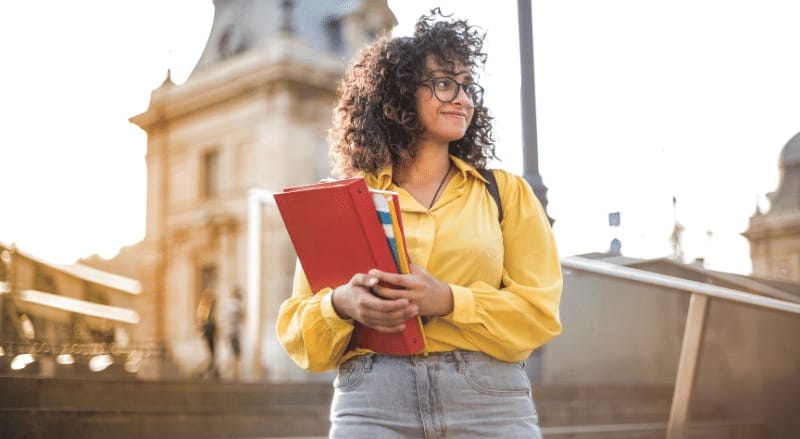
[
  {"x": 374, "y": 306},
  {"x": 386, "y": 315},
  {"x": 392, "y": 293},
  {"x": 387, "y": 311},
  {"x": 346, "y": 298},
  {"x": 384, "y": 324},
  {"x": 364, "y": 280},
  {"x": 400, "y": 280},
  {"x": 397, "y": 286},
  {"x": 432, "y": 296}
]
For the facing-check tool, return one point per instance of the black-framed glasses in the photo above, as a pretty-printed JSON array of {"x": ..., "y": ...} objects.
[{"x": 446, "y": 90}]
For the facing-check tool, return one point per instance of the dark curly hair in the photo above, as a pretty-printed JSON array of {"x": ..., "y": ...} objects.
[{"x": 375, "y": 122}]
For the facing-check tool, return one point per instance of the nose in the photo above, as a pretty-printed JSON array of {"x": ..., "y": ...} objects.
[{"x": 461, "y": 96}]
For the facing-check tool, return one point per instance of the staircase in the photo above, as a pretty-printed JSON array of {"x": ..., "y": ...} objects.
[
  {"x": 33, "y": 408},
  {"x": 39, "y": 408},
  {"x": 628, "y": 412}
]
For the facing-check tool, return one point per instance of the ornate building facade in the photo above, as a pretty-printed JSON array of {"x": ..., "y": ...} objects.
[
  {"x": 253, "y": 114},
  {"x": 775, "y": 235}
]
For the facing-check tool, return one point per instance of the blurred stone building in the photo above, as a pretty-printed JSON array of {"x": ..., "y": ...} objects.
[
  {"x": 66, "y": 320},
  {"x": 775, "y": 235},
  {"x": 254, "y": 113}
]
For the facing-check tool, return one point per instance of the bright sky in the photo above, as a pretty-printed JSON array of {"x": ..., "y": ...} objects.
[{"x": 637, "y": 102}]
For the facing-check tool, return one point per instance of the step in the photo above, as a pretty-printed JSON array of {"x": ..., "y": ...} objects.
[
  {"x": 602, "y": 392},
  {"x": 609, "y": 404},
  {"x": 587, "y": 412},
  {"x": 42, "y": 407},
  {"x": 43, "y": 424},
  {"x": 739, "y": 429},
  {"x": 94, "y": 395}
]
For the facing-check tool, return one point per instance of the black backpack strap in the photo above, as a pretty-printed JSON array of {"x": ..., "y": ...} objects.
[{"x": 494, "y": 191}]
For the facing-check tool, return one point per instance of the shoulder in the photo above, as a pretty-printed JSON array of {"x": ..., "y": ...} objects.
[
  {"x": 517, "y": 195},
  {"x": 510, "y": 184}
]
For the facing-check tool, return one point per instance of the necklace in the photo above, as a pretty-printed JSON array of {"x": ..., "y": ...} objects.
[{"x": 440, "y": 185}]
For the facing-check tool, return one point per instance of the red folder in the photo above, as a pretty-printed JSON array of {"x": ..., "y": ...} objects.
[{"x": 336, "y": 233}]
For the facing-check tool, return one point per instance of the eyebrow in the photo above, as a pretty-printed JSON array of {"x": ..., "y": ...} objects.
[{"x": 453, "y": 73}]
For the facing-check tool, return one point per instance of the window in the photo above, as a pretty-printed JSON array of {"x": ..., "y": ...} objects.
[
  {"x": 95, "y": 294},
  {"x": 333, "y": 30},
  {"x": 43, "y": 282},
  {"x": 210, "y": 174}
]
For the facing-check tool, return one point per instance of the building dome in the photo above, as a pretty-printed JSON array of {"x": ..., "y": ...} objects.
[
  {"x": 787, "y": 197},
  {"x": 339, "y": 28},
  {"x": 790, "y": 156}
]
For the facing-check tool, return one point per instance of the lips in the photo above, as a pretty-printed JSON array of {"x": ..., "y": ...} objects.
[{"x": 454, "y": 114}]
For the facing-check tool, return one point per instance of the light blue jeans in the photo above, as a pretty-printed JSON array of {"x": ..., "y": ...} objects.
[{"x": 448, "y": 395}]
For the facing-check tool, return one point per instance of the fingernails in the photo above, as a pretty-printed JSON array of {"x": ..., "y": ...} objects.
[{"x": 372, "y": 281}]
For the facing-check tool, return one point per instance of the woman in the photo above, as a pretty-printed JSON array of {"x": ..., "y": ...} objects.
[{"x": 410, "y": 119}]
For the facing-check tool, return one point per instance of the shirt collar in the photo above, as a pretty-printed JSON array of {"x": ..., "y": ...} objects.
[
  {"x": 382, "y": 178},
  {"x": 465, "y": 168}
]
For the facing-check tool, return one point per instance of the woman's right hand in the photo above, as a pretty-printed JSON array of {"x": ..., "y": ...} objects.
[{"x": 354, "y": 300}]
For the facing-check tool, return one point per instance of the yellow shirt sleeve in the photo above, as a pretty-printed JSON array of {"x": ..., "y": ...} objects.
[
  {"x": 309, "y": 329},
  {"x": 510, "y": 322}
]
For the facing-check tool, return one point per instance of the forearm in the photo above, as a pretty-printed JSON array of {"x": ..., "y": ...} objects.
[
  {"x": 309, "y": 329},
  {"x": 506, "y": 323}
]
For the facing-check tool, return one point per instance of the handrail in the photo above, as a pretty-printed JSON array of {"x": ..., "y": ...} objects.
[
  {"x": 691, "y": 345},
  {"x": 83, "y": 272},
  {"x": 662, "y": 280},
  {"x": 70, "y": 304}
]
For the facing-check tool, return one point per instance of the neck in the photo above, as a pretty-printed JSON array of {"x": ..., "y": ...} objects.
[{"x": 429, "y": 165}]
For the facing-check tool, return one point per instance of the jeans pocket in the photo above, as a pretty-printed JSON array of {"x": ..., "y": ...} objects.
[
  {"x": 351, "y": 373},
  {"x": 497, "y": 378}
]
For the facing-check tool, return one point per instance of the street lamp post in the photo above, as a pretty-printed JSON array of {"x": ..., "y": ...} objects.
[{"x": 528, "y": 98}]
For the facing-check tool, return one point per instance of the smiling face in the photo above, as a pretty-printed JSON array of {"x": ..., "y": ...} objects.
[{"x": 443, "y": 121}]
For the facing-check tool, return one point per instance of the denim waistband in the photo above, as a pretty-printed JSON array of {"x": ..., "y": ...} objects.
[{"x": 457, "y": 357}]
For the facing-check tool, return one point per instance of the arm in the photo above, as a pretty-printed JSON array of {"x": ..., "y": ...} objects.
[
  {"x": 510, "y": 322},
  {"x": 309, "y": 329},
  {"x": 315, "y": 329},
  {"x": 505, "y": 323}
]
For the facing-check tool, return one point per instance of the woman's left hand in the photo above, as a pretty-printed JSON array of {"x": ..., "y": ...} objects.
[{"x": 432, "y": 296}]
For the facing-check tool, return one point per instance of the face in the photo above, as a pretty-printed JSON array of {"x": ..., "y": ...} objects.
[{"x": 443, "y": 121}]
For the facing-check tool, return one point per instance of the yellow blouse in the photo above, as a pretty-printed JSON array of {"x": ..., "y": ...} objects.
[{"x": 460, "y": 242}]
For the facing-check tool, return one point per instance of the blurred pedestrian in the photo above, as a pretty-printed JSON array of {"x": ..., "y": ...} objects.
[
  {"x": 231, "y": 316},
  {"x": 207, "y": 324}
]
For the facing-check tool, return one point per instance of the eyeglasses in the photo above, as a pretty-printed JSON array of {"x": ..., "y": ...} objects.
[{"x": 446, "y": 90}]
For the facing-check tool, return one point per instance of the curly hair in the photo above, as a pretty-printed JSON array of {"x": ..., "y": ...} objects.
[{"x": 375, "y": 122}]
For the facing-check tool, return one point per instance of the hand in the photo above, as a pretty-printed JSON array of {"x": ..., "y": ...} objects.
[
  {"x": 354, "y": 300},
  {"x": 431, "y": 295}
]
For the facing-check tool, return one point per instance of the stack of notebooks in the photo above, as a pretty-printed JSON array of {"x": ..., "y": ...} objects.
[{"x": 341, "y": 228}]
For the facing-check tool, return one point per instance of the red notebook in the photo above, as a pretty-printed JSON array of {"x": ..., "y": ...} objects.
[{"x": 336, "y": 233}]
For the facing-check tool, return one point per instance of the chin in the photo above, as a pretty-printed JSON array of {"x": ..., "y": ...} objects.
[
  {"x": 454, "y": 134},
  {"x": 447, "y": 135}
]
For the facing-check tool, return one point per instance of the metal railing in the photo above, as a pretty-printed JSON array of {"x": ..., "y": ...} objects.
[{"x": 701, "y": 295}]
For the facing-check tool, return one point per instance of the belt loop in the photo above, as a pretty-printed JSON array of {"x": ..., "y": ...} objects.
[
  {"x": 368, "y": 362},
  {"x": 460, "y": 361}
]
